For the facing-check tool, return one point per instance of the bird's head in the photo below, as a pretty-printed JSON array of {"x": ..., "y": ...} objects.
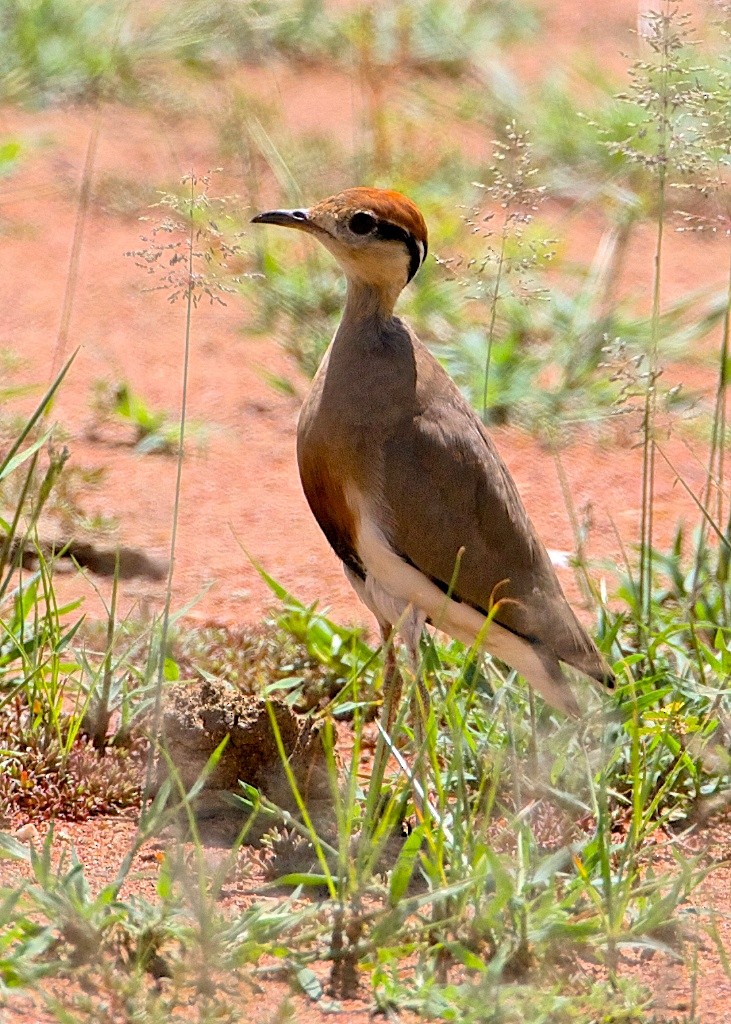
[{"x": 377, "y": 236}]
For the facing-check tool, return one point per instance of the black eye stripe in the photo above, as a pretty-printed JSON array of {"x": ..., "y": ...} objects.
[{"x": 387, "y": 230}]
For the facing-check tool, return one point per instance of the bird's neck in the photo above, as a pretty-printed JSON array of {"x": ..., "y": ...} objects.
[{"x": 367, "y": 302}]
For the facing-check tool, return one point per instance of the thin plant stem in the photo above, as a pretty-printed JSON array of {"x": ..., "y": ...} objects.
[
  {"x": 165, "y": 626},
  {"x": 81, "y": 214},
  {"x": 650, "y": 404},
  {"x": 715, "y": 475},
  {"x": 493, "y": 315},
  {"x": 718, "y": 442},
  {"x": 82, "y": 210},
  {"x": 102, "y": 722}
]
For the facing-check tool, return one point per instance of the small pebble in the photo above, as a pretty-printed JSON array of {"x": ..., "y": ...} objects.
[{"x": 27, "y": 834}]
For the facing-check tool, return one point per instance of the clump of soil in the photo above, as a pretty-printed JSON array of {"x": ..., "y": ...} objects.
[{"x": 198, "y": 717}]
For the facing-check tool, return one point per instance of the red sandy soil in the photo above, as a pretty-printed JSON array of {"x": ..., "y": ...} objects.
[{"x": 240, "y": 487}]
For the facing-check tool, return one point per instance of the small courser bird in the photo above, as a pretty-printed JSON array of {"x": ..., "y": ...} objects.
[{"x": 403, "y": 478}]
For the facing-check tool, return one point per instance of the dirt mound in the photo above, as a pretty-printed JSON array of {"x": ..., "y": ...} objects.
[{"x": 198, "y": 717}]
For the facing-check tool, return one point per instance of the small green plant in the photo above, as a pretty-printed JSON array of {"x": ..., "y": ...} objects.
[
  {"x": 579, "y": 148},
  {"x": 10, "y": 153},
  {"x": 20, "y": 461},
  {"x": 154, "y": 431},
  {"x": 583, "y": 154}
]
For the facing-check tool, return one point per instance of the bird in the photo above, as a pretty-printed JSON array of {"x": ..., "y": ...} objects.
[{"x": 404, "y": 479}]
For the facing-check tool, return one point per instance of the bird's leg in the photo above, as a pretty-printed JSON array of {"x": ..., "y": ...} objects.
[
  {"x": 419, "y": 709},
  {"x": 414, "y": 627},
  {"x": 391, "y": 695},
  {"x": 393, "y": 687},
  {"x": 392, "y": 681},
  {"x": 415, "y": 661}
]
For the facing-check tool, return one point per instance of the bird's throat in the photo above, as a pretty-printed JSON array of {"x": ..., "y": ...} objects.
[{"x": 366, "y": 302}]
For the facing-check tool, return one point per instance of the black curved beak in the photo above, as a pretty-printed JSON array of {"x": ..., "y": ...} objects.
[{"x": 286, "y": 218}]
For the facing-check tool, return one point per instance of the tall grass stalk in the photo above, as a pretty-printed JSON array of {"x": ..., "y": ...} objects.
[
  {"x": 716, "y": 459},
  {"x": 511, "y": 188},
  {"x": 493, "y": 315},
  {"x": 661, "y": 38},
  {"x": 82, "y": 210},
  {"x": 99, "y": 736},
  {"x": 189, "y": 294}
]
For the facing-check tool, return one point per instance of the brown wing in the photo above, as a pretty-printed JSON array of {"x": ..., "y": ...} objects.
[{"x": 446, "y": 488}]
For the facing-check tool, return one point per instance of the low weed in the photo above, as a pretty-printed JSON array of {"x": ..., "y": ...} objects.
[
  {"x": 153, "y": 430},
  {"x": 562, "y": 356},
  {"x": 11, "y": 152}
]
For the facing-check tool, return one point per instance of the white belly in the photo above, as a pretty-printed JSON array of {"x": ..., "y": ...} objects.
[{"x": 401, "y": 595}]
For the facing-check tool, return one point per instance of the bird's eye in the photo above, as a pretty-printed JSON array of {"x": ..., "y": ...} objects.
[{"x": 361, "y": 223}]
